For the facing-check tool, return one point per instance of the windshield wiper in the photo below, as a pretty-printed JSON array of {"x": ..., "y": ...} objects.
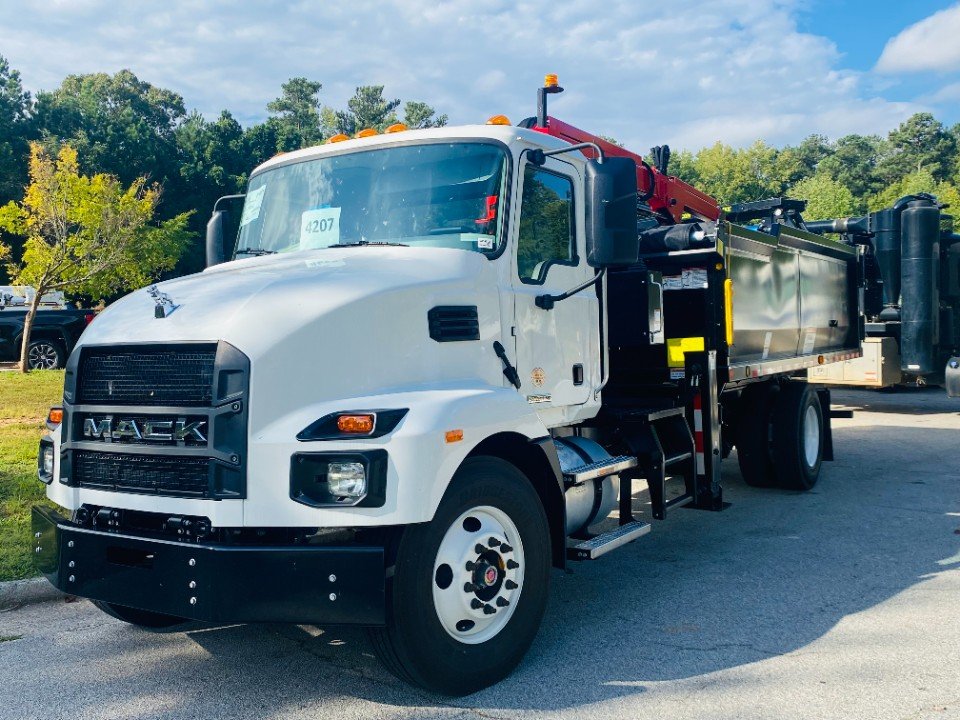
[
  {"x": 255, "y": 251},
  {"x": 370, "y": 242}
]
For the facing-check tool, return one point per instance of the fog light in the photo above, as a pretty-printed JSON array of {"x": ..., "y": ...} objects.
[
  {"x": 45, "y": 464},
  {"x": 347, "y": 479}
]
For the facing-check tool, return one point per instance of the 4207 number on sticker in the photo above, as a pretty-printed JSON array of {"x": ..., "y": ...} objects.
[{"x": 319, "y": 228}]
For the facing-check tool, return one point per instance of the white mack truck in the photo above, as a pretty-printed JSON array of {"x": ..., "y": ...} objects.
[{"x": 437, "y": 364}]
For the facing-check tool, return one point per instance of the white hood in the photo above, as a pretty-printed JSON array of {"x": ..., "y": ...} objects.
[{"x": 331, "y": 323}]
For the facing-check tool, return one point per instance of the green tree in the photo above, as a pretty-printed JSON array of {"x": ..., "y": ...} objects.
[
  {"x": 297, "y": 113},
  {"x": 214, "y": 161},
  {"x": 920, "y": 142},
  {"x": 420, "y": 115},
  {"x": 733, "y": 176},
  {"x": 118, "y": 124},
  {"x": 826, "y": 198},
  {"x": 86, "y": 234},
  {"x": 366, "y": 109},
  {"x": 921, "y": 181},
  {"x": 16, "y": 108},
  {"x": 854, "y": 164}
]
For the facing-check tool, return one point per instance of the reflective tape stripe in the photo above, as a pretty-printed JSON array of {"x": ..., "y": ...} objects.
[{"x": 698, "y": 434}]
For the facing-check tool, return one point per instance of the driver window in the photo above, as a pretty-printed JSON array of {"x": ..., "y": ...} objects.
[{"x": 546, "y": 224}]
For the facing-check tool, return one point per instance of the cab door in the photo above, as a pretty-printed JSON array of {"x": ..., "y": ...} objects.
[{"x": 557, "y": 350}]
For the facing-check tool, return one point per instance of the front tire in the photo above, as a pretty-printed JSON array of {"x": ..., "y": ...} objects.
[{"x": 469, "y": 588}]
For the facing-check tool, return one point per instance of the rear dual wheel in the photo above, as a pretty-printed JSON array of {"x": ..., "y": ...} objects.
[
  {"x": 469, "y": 589},
  {"x": 780, "y": 435}
]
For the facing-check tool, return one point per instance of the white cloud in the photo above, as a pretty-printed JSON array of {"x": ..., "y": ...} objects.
[
  {"x": 931, "y": 44},
  {"x": 730, "y": 70}
]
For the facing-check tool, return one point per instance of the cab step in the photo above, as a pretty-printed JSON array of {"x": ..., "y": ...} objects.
[
  {"x": 601, "y": 468},
  {"x": 605, "y": 542}
]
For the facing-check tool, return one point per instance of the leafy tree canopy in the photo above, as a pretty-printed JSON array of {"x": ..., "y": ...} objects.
[{"x": 87, "y": 234}]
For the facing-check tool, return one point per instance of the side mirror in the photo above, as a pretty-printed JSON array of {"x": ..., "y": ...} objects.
[
  {"x": 215, "y": 251},
  {"x": 611, "y": 209}
]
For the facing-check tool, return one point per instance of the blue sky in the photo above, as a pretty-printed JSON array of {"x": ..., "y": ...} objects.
[{"x": 687, "y": 72}]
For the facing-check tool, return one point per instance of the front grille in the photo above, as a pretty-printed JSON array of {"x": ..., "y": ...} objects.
[
  {"x": 178, "y": 376},
  {"x": 155, "y": 474}
]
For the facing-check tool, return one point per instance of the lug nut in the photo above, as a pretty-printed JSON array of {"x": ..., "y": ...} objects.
[
  {"x": 469, "y": 587},
  {"x": 493, "y": 542},
  {"x": 489, "y": 609},
  {"x": 501, "y": 602},
  {"x": 469, "y": 565},
  {"x": 193, "y": 601},
  {"x": 512, "y": 564},
  {"x": 476, "y": 604},
  {"x": 510, "y": 585},
  {"x": 506, "y": 548},
  {"x": 479, "y": 549}
]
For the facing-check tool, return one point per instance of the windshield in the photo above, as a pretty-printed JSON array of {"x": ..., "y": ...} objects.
[{"x": 435, "y": 195}]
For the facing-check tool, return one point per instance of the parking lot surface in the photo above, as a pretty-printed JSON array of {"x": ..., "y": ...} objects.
[{"x": 839, "y": 603}]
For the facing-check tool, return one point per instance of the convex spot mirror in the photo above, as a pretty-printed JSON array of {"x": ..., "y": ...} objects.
[{"x": 611, "y": 212}]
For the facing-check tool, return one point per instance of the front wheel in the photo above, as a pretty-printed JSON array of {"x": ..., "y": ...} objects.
[{"x": 469, "y": 588}]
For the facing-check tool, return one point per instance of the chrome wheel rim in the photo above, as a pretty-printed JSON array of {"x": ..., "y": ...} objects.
[
  {"x": 42, "y": 356},
  {"x": 478, "y": 575},
  {"x": 811, "y": 436}
]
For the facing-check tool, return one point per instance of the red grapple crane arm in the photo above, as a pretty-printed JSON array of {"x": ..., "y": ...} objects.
[{"x": 671, "y": 196}]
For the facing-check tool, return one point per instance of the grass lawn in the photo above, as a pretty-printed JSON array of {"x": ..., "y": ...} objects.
[{"x": 24, "y": 401}]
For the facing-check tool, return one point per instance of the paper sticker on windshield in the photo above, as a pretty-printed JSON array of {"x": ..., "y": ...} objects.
[
  {"x": 319, "y": 228},
  {"x": 251, "y": 208}
]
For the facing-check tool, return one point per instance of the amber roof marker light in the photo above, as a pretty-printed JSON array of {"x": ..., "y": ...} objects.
[{"x": 551, "y": 86}]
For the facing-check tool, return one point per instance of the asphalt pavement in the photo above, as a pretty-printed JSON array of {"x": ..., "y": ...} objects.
[{"x": 839, "y": 603}]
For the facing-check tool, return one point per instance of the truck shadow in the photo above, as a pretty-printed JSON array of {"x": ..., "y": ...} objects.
[
  {"x": 913, "y": 400},
  {"x": 702, "y": 593}
]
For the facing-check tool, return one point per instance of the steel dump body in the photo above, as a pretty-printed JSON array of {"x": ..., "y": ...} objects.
[
  {"x": 793, "y": 303},
  {"x": 795, "y": 300}
]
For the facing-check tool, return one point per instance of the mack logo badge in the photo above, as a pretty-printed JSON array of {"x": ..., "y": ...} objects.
[{"x": 109, "y": 428}]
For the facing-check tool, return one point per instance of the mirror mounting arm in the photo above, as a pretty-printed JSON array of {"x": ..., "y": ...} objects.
[
  {"x": 216, "y": 205},
  {"x": 546, "y": 302},
  {"x": 538, "y": 157}
]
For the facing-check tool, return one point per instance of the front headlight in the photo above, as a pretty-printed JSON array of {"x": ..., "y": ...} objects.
[{"x": 45, "y": 461}]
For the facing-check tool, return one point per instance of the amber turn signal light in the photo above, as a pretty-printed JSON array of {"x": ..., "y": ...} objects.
[
  {"x": 55, "y": 416},
  {"x": 355, "y": 424}
]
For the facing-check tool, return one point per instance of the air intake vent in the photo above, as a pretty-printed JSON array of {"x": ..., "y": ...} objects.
[{"x": 454, "y": 323}]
